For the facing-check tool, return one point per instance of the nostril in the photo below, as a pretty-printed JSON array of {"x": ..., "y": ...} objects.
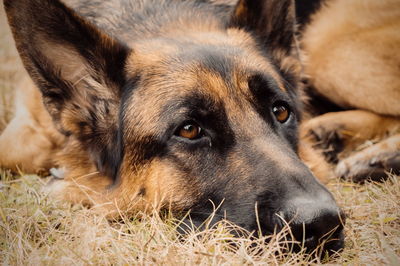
[
  {"x": 317, "y": 226},
  {"x": 279, "y": 220}
]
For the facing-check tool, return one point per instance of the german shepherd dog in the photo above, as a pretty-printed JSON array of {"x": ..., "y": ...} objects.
[{"x": 189, "y": 105}]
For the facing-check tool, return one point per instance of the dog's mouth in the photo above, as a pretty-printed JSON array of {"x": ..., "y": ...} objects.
[{"x": 329, "y": 245}]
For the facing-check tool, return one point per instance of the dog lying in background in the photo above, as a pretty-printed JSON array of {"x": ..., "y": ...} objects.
[
  {"x": 352, "y": 61},
  {"x": 189, "y": 105}
]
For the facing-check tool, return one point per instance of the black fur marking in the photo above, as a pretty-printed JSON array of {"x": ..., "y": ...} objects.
[
  {"x": 317, "y": 104},
  {"x": 305, "y": 9},
  {"x": 265, "y": 90},
  {"x": 111, "y": 159},
  {"x": 141, "y": 151}
]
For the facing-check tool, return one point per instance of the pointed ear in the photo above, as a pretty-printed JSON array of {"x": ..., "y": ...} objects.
[
  {"x": 272, "y": 21},
  {"x": 78, "y": 69}
]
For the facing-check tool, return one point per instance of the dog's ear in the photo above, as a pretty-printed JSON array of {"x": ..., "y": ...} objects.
[
  {"x": 271, "y": 21},
  {"x": 78, "y": 69}
]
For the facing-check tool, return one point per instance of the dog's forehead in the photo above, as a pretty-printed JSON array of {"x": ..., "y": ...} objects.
[{"x": 220, "y": 61}]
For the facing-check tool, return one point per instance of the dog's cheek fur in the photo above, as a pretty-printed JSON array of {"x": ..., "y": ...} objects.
[
  {"x": 155, "y": 185},
  {"x": 158, "y": 184}
]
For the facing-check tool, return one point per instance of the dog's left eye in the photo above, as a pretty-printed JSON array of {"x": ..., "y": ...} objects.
[
  {"x": 190, "y": 131},
  {"x": 281, "y": 112}
]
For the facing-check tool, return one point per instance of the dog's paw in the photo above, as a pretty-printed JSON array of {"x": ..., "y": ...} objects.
[
  {"x": 369, "y": 164},
  {"x": 327, "y": 137}
]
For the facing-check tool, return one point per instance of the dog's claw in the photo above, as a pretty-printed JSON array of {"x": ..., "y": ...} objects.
[
  {"x": 359, "y": 167},
  {"x": 57, "y": 173},
  {"x": 393, "y": 163}
]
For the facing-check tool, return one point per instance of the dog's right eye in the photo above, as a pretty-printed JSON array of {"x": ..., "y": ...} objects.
[{"x": 190, "y": 131}]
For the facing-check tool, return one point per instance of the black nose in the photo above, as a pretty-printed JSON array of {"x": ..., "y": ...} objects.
[{"x": 314, "y": 225}]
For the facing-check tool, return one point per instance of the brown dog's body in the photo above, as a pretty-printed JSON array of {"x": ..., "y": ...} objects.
[
  {"x": 356, "y": 65},
  {"x": 123, "y": 75}
]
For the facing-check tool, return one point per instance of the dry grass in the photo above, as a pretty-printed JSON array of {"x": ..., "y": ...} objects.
[{"x": 36, "y": 230}]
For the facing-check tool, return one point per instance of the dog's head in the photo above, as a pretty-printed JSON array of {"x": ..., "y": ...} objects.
[{"x": 200, "y": 112}]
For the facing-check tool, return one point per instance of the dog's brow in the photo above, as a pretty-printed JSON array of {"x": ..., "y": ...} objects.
[
  {"x": 188, "y": 104},
  {"x": 262, "y": 84}
]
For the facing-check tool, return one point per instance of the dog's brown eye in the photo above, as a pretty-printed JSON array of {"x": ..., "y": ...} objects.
[
  {"x": 281, "y": 112},
  {"x": 190, "y": 131}
]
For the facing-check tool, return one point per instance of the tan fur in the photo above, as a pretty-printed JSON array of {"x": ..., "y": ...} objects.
[
  {"x": 352, "y": 48},
  {"x": 30, "y": 140}
]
